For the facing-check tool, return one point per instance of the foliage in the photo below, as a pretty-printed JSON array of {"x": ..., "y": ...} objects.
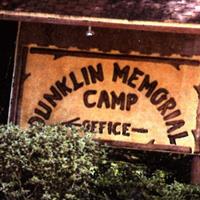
[
  {"x": 127, "y": 182},
  {"x": 56, "y": 162},
  {"x": 52, "y": 162}
]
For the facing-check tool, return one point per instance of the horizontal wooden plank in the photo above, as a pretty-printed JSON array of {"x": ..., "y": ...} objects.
[
  {"x": 140, "y": 10},
  {"x": 147, "y": 147},
  {"x": 101, "y": 22}
]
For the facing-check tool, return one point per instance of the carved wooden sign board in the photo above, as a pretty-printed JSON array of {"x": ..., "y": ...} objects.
[{"x": 146, "y": 103}]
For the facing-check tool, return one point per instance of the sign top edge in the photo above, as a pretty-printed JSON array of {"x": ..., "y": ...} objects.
[{"x": 167, "y": 26}]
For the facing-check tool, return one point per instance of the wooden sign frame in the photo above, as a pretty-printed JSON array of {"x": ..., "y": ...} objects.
[
  {"x": 185, "y": 31},
  {"x": 166, "y": 39},
  {"x": 20, "y": 76}
]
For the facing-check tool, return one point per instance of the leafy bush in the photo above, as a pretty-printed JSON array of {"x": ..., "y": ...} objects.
[
  {"x": 52, "y": 162},
  {"x": 60, "y": 163},
  {"x": 128, "y": 181}
]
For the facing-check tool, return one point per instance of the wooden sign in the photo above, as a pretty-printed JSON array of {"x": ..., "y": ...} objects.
[{"x": 133, "y": 99}]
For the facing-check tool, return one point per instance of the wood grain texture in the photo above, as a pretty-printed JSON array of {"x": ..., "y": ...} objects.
[
  {"x": 140, "y": 10},
  {"x": 165, "y": 16}
]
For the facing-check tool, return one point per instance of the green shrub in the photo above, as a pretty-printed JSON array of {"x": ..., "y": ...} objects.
[
  {"x": 51, "y": 162},
  {"x": 60, "y": 163}
]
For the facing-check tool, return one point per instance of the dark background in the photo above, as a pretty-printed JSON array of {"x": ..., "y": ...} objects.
[{"x": 8, "y": 32}]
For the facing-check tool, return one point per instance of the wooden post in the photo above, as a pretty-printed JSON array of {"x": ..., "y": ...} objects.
[{"x": 195, "y": 168}]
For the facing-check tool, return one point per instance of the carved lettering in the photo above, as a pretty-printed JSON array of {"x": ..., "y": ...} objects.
[
  {"x": 62, "y": 87},
  {"x": 85, "y": 75},
  {"x": 168, "y": 105},
  {"x": 103, "y": 100},
  {"x": 131, "y": 100},
  {"x": 96, "y": 74},
  {"x": 136, "y": 73},
  {"x": 150, "y": 87},
  {"x": 86, "y": 98},
  {"x": 172, "y": 138},
  {"x": 77, "y": 85},
  {"x": 172, "y": 115},
  {"x": 118, "y": 73},
  {"x": 118, "y": 100},
  {"x": 159, "y": 96},
  {"x": 176, "y": 124},
  {"x": 47, "y": 110},
  {"x": 133, "y": 79},
  {"x": 55, "y": 96},
  {"x": 35, "y": 119},
  {"x": 125, "y": 128}
]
